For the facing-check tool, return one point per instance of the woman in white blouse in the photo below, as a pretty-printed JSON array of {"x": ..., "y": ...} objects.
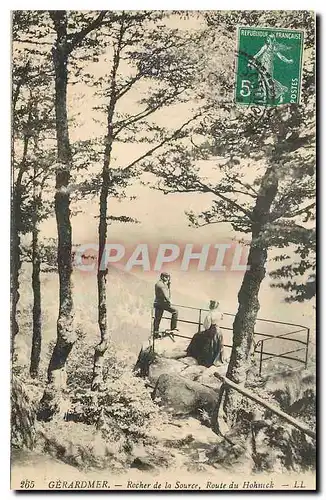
[
  {"x": 207, "y": 346},
  {"x": 214, "y": 316}
]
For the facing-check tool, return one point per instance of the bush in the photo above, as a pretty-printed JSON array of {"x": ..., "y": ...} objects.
[
  {"x": 277, "y": 443},
  {"x": 125, "y": 407},
  {"x": 291, "y": 448},
  {"x": 81, "y": 359},
  {"x": 79, "y": 445},
  {"x": 102, "y": 428}
]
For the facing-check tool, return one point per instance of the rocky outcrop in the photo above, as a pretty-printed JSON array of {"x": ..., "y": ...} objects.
[
  {"x": 189, "y": 361},
  {"x": 290, "y": 387},
  {"x": 145, "y": 358},
  {"x": 164, "y": 365},
  {"x": 179, "y": 382},
  {"x": 184, "y": 396},
  {"x": 172, "y": 349},
  {"x": 193, "y": 372},
  {"x": 207, "y": 377}
]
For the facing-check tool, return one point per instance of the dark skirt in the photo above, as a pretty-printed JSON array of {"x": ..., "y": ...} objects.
[{"x": 207, "y": 347}]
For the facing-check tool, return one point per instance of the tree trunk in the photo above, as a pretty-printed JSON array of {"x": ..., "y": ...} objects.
[
  {"x": 16, "y": 227},
  {"x": 100, "y": 349},
  {"x": 37, "y": 309},
  {"x": 15, "y": 265},
  {"x": 230, "y": 403},
  {"x": 16, "y": 211},
  {"x": 23, "y": 432},
  {"x": 66, "y": 336}
]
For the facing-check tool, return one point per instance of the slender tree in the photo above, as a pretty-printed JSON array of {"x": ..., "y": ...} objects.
[
  {"x": 36, "y": 285},
  {"x": 41, "y": 208},
  {"x": 16, "y": 221}
]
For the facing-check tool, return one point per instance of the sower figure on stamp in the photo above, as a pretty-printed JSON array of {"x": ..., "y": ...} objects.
[
  {"x": 163, "y": 303},
  {"x": 207, "y": 346},
  {"x": 266, "y": 56}
]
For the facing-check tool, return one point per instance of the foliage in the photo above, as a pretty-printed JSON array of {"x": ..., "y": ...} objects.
[
  {"x": 297, "y": 277},
  {"x": 79, "y": 445},
  {"x": 291, "y": 448},
  {"x": 275, "y": 440},
  {"x": 124, "y": 407}
]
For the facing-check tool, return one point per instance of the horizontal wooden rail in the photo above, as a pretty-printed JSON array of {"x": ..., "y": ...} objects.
[{"x": 293, "y": 421}]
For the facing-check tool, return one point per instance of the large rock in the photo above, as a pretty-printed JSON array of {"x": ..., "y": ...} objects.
[
  {"x": 207, "y": 376},
  {"x": 184, "y": 396},
  {"x": 192, "y": 372},
  {"x": 173, "y": 349},
  {"x": 163, "y": 365},
  {"x": 288, "y": 387},
  {"x": 163, "y": 348},
  {"x": 189, "y": 361}
]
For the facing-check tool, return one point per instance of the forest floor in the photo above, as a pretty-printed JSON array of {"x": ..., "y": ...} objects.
[{"x": 137, "y": 436}]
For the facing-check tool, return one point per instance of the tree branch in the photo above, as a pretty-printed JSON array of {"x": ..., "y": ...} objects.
[
  {"x": 209, "y": 189},
  {"x": 300, "y": 211},
  {"x": 246, "y": 186},
  {"x": 24, "y": 73},
  {"x": 164, "y": 141},
  {"x": 34, "y": 42},
  {"x": 77, "y": 38},
  {"x": 127, "y": 86},
  {"x": 146, "y": 112}
]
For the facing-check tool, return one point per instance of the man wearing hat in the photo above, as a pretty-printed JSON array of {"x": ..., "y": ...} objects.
[{"x": 163, "y": 302}]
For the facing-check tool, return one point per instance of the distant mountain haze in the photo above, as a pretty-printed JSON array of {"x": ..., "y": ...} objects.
[{"x": 163, "y": 220}]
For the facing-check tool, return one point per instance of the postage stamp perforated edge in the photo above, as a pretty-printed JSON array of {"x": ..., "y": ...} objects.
[{"x": 238, "y": 53}]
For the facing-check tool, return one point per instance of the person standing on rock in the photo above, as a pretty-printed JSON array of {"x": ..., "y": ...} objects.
[
  {"x": 163, "y": 303},
  {"x": 207, "y": 346}
]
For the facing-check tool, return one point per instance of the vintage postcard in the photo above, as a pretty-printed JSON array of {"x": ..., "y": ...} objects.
[{"x": 163, "y": 250}]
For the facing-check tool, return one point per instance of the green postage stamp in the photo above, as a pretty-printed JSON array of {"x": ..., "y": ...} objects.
[{"x": 269, "y": 66}]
